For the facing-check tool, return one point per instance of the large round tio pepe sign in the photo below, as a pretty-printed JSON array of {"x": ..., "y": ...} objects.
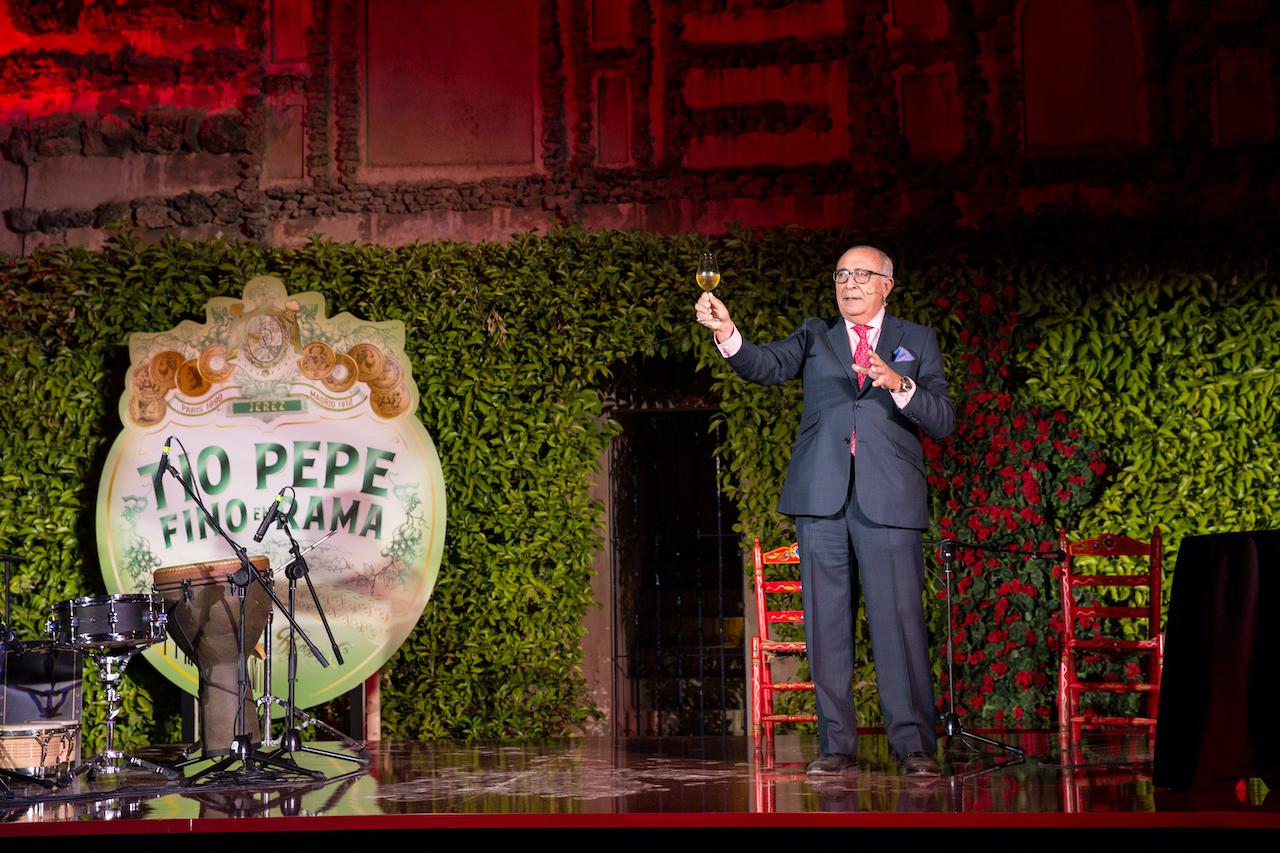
[{"x": 268, "y": 393}]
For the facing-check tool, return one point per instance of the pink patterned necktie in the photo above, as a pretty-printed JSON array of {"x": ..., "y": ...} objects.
[{"x": 861, "y": 358}]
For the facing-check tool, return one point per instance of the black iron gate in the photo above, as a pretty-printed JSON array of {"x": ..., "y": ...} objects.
[{"x": 677, "y": 577}]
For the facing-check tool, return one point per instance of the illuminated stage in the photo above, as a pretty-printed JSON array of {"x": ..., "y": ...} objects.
[{"x": 667, "y": 782}]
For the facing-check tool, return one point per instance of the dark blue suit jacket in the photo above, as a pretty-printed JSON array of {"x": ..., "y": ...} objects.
[{"x": 890, "y": 479}]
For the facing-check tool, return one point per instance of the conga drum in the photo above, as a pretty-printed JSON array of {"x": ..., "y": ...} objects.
[{"x": 204, "y": 621}]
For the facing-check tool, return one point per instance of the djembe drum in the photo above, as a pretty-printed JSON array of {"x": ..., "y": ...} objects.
[{"x": 204, "y": 621}]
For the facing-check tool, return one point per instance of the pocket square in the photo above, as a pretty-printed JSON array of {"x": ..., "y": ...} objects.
[{"x": 903, "y": 354}]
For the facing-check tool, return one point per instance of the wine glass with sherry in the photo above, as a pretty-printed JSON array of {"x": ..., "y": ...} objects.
[{"x": 708, "y": 275}]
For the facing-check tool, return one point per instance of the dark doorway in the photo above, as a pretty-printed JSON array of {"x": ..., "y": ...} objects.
[{"x": 677, "y": 566}]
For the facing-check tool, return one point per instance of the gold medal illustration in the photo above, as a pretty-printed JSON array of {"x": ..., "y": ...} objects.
[
  {"x": 369, "y": 358},
  {"x": 390, "y": 375},
  {"x": 191, "y": 382},
  {"x": 214, "y": 365},
  {"x": 144, "y": 385},
  {"x": 317, "y": 360},
  {"x": 343, "y": 375},
  {"x": 145, "y": 412},
  {"x": 164, "y": 368},
  {"x": 389, "y": 403}
]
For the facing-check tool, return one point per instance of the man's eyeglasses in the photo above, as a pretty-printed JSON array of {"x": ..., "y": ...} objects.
[{"x": 860, "y": 276}]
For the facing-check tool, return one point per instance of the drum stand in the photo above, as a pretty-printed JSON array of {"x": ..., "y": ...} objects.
[
  {"x": 291, "y": 739},
  {"x": 111, "y": 760}
]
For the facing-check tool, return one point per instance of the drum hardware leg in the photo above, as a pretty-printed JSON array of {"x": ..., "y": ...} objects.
[
  {"x": 192, "y": 755},
  {"x": 19, "y": 776}
]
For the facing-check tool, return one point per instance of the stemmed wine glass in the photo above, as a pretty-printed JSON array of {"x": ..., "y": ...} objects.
[{"x": 708, "y": 275}]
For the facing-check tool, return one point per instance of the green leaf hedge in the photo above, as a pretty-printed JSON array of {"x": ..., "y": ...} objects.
[{"x": 1109, "y": 375}]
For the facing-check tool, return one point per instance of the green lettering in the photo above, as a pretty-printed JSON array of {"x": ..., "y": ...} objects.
[
  {"x": 168, "y": 527},
  {"x": 345, "y": 518},
  {"x": 372, "y": 470},
  {"x": 315, "y": 513},
  {"x": 224, "y": 470},
  {"x": 265, "y": 468},
  {"x": 332, "y": 468},
  {"x": 373, "y": 521},
  {"x": 301, "y": 462},
  {"x": 237, "y": 515}
]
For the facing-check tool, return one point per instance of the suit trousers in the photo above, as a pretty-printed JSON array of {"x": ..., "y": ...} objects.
[{"x": 890, "y": 564}]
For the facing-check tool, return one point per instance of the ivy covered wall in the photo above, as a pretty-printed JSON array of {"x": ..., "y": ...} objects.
[{"x": 1109, "y": 375}]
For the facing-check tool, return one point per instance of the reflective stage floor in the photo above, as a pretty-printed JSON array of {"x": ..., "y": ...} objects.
[{"x": 652, "y": 782}]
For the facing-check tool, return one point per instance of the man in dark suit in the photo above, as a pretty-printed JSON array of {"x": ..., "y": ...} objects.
[{"x": 856, "y": 488}]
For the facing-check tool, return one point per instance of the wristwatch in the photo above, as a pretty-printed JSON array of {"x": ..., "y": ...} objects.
[{"x": 905, "y": 385}]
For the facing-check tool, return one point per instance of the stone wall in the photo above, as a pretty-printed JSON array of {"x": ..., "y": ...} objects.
[{"x": 390, "y": 121}]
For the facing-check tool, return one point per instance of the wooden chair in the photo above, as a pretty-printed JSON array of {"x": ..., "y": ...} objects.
[
  {"x": 1070, "y": 687},
  {"x": 764, "y": 651}
]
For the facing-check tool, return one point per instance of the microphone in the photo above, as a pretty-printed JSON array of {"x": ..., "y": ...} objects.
[
  {"x": 272, "y": 515},
  {"x": 164, "y": 455}
]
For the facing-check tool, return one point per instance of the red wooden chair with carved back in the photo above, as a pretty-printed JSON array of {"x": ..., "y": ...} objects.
[
  {"x": 764, "y": 651},
  {"x": 1070, "y": 719}
]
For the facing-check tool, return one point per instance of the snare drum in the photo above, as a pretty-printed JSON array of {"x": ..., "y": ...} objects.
[
  {"x": 108, "y": 622},
  {"x": 46, "y": 748}
]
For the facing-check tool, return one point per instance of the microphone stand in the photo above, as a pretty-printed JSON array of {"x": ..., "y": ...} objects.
[
  {"x": 951, "y": 725},
  {"x": 242, "y": 749},
  {"x": 291, "y": 739}
]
